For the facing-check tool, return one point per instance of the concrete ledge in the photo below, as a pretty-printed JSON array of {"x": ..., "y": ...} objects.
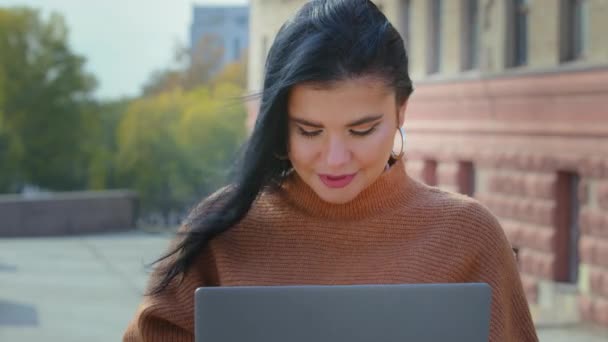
[{"x": 68, "y": 213}]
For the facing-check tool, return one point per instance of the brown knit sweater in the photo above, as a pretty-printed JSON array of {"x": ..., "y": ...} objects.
[{"x": 396, "y": 231}]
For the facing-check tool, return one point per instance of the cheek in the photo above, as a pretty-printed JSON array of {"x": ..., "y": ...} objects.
[
  {"x": 302, "y": 149},
  {"x": 374, "y": 147}
]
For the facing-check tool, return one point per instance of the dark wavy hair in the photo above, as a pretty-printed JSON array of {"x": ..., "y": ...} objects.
[{"x": 325, "y": 42}]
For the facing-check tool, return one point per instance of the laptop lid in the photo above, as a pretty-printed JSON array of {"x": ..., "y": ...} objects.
[{"x": 344, "y": 313}]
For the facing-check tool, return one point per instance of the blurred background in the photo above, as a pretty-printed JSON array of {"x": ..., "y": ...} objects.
[{"x": 117, "y": 117}]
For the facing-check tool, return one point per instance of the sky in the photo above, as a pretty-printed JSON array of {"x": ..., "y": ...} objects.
[{"x": 123, "y": 41}]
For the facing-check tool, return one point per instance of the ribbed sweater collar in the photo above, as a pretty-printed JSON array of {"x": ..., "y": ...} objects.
[{"x": 392, "y": 188}]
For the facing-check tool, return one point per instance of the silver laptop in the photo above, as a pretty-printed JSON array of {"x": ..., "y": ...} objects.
[{"x": 345, "y": 313}]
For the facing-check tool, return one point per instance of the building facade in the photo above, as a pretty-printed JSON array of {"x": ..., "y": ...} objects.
[
  {"x": 510, "y": 107},
  {"x": 225, "y": 26}
]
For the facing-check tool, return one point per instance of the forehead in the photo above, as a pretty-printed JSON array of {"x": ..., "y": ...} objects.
[{"x": 340, "y": 101}]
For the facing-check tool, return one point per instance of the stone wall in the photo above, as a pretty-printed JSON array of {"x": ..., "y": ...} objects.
[
  {"x": 67, "y": 213},
  {"x": 535, "y": 148}
]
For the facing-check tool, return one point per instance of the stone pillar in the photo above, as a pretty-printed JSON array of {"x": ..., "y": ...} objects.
[
  {"x": 420, "y": 37},
  {"x": 493, "y": 32},
  {"x": 543, "y": 32},
  {"x": 597, "y": 27},
  {"x": 451, "y": 32}
]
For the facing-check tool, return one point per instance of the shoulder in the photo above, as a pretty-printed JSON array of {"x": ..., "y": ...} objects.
[
  {"x": 464, "y": 215},
  {"x": 205, "y": 206},
  {"x": 440, "y": 201},
  {"x": 269, "y": 205},
  {"x": 484, "y": 230}
]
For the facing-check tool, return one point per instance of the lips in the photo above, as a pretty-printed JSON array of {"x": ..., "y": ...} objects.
[{"x": 340, "y": 181}]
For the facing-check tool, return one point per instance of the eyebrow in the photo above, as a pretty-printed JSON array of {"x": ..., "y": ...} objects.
[{"x": 355, "y": 123}]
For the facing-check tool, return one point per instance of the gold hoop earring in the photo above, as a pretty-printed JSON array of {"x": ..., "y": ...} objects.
[{"x": 402, "y": 152}]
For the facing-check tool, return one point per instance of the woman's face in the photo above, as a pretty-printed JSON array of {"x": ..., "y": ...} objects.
[{"x": 341, "y": 136}]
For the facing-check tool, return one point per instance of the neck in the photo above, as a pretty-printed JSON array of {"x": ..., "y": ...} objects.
[{"x": 389, "y": 190}]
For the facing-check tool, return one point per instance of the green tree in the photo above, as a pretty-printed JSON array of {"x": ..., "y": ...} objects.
[
  {"x": 102, "y": 171},
  {"x": 203, "y": 61},
  {"x": 210, "y": 131},
  {"x": 175, "y": 143},
  {"x": 6, "y": 162},
  {"x": 194, "y": 67},
  {"x": 162, "y": 81},
  {"x": 234, "y": 73},
  {"x": 148, "y": 157},
  {"x": 174, "y": 148},
  {"x": 47, "y": 108}
]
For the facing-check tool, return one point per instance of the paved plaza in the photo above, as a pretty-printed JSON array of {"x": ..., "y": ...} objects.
[{"x": 87, "y": 289}]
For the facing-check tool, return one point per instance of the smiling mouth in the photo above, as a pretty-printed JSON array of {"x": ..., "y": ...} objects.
[{"x": 337, "y": 181}]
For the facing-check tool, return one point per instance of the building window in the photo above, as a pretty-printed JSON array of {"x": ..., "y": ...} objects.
[
  {"x": 567, "y": 232},
  {"x": 574, "y": 29},
  {"x": 237, "y": 49},
  {"x": 434, "y": 44},
  {"x": 241, "y": 21},
  {"x": 471, "y": 32},
  {"x": 466, "y": 178},
  {"x": 406, "y": 23},
  {"x": 214, "y": 20},
  {"x": 518, "y": 19}
]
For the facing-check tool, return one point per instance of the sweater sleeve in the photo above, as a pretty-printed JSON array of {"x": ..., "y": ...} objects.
[
  {"x": 169, "y": 315},
  {"x": 495, "y": 264}
]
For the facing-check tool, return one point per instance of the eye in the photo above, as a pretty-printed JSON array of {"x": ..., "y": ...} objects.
[
  {"x": 307, "y": 133},
  {"x": 363, "y": 133}
]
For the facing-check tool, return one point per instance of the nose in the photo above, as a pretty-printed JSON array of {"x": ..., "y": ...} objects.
[{"x": 338, "y": 153}]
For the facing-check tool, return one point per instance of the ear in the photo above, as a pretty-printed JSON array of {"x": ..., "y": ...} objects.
[{"x": 401, "y": 114}]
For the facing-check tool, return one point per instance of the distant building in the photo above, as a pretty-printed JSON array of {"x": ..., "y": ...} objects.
[
  {"x": 227, "y": 26},
  {"x": 511, "y": 107}
]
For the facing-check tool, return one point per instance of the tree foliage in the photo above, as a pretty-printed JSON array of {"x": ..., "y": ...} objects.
[
  {"x": 175, "y": 147},
  {"x": 46, "y": 102},
  {"x": 176, "y": 142},
  {"x": 195, "y": 67}
]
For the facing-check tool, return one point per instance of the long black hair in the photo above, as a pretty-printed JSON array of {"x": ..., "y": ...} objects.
[{"x": 326, "y": 41}]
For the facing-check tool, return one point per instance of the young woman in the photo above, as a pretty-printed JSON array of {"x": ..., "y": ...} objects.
[{"x": 321, "y": 195}]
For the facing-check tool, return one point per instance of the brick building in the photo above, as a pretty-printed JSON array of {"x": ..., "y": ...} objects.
[{"x": 511, "y": 107}]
